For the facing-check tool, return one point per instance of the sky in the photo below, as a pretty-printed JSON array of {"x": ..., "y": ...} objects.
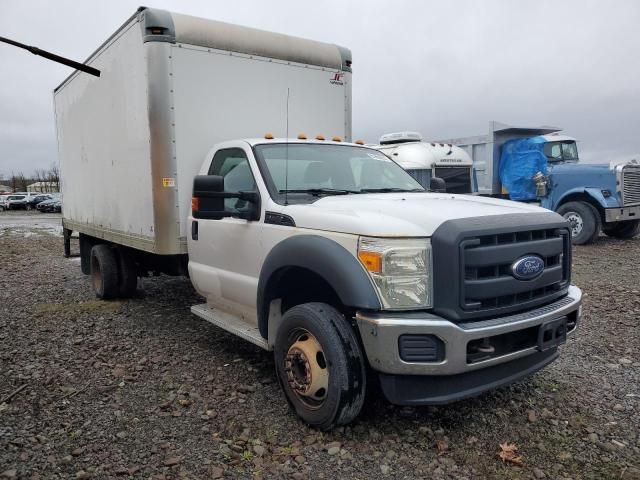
[{"x": 444, "y": 69}]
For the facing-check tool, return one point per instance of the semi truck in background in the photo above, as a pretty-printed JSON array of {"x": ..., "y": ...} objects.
[
  {"x": 540, "y": 165},
  {"x": 426, "y": 160},
  {"x": 177, "y": 160}
]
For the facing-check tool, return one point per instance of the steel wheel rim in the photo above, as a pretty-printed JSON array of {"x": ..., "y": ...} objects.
[
  {"x": 306, "y": 369},
  {"x": 575, "y": 220}
]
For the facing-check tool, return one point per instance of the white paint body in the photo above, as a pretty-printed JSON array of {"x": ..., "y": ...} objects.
[{"x": 225, "y": 262}]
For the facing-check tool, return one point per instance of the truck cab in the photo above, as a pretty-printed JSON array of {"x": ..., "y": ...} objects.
[{"x": 332, "y": 256}]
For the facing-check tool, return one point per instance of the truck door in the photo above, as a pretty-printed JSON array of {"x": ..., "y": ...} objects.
[{"x": 224, "y": 257}]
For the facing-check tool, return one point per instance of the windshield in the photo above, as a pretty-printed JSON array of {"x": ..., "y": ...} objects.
[
  {"x": 314, "y": 170},
  {"x": 561, "y": 151}
]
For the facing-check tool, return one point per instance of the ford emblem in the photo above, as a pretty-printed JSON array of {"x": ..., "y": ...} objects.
[{"x": 528, "y": 268}]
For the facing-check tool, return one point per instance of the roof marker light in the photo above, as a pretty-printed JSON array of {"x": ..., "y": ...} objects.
[
  {"x": 302, "y": 136},
  {"x": 337, "y": 139},
  {"x": 319, "y": 137},
  {"x": 268, "y": 136},
  {"x": 359, "y": 142}
]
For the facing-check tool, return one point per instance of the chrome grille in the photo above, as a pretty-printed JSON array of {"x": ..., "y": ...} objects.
[{"x": 631, "y": 185}]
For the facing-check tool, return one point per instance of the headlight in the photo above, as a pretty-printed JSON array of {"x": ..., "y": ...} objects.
[{"x": 400, "y": 269}]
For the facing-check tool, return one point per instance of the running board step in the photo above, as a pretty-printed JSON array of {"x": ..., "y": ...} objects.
[{"x": 230, "y": 323}]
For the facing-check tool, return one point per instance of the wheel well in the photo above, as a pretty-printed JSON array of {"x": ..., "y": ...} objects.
[
  {"x": 585, "y": 198},
  {"x": 297, "y": 285}
]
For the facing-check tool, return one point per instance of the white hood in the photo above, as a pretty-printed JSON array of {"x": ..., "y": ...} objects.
[{"x": 397, "y": 214}]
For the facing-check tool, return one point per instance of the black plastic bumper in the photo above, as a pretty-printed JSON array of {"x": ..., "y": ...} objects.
[{"x": 439, "y": 390}]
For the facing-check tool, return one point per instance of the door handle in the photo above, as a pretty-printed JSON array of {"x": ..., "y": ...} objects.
[{"x": 194, "y": 230}]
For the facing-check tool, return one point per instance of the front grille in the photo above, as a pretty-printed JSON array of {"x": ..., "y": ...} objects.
[
  {"x": 487, "y": 260},
  {"x": 473, "y": 259},
  {"x": 457, "y": 179},
  {"x": 631, "y": 185}
]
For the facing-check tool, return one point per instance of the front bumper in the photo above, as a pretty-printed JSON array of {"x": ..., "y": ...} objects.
[
  {"x": 622, "y": 214},
  {"x": 381, "y": 331},
  {"x": 439, "y": 390}
]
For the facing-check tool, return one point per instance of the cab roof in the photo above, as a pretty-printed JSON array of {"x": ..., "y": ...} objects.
[{"x": 265, "y": 141}]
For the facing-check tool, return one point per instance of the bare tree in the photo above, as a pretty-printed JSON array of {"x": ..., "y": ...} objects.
[{"x": 54, "y": 177}]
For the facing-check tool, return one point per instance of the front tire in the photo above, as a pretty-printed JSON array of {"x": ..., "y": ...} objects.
[
  {"x": 320, "y": 365},
  {"x": 623, "y": 230},
  {"x": 584, "y": 222}
]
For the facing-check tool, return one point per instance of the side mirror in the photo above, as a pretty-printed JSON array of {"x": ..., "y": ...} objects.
[
  {"x": 209, "y": 195},
  {"x": 437, "y": 185}
]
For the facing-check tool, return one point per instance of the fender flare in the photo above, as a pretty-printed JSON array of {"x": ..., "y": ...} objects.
[
  {"x": 327, "y": 259},
  {"x": 593, "y": 193}
]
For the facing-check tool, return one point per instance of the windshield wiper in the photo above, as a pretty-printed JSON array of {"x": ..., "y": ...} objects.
[
  {"x": 320, "y": 191},
  {"x": 390, "y": 189}
]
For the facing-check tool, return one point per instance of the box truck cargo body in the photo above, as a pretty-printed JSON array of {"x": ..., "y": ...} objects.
[{"x": 171, "y": 87}]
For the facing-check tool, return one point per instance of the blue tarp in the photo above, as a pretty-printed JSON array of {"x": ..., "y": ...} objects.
[{"x": 521, "y": 159}]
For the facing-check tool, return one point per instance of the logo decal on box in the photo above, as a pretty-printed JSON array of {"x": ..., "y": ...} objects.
[{"x": 337, "y": 79}]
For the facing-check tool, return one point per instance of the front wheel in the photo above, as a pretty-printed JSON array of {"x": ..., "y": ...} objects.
[
  {"x": 320, "y": 365},
  {"x": 623, "y": 230},
  {"x": 584, "y": 221}
]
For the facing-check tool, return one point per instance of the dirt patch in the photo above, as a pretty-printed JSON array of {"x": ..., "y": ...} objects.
[{"x": 143, "y": 389}]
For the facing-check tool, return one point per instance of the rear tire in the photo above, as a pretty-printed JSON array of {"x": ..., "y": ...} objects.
[
  {"x": 320, "y": 365},
  {"x": 623, "y": 230},
  {"x": 584, "y": 222},
  {"x": 104, "y": 271},
  {"x": 127, "y": 274}
]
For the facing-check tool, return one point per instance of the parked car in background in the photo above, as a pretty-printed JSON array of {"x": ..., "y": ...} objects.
[
  {"x": 49, "y": 206},
  {"x": 34, "y": 201},
  {"x": 3, "y": 200},
  {"x": 16, "y": 202}
]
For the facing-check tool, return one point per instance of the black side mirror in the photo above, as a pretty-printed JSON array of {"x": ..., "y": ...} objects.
[
  {"x": 437, "y": 185},
  {"x": 209, "y": 195}
]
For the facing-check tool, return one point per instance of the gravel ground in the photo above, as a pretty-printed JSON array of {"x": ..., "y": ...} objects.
[{"x": 144, "y": 389}]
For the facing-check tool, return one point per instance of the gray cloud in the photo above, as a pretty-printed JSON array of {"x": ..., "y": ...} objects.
[{"x": 442, "y": 68}]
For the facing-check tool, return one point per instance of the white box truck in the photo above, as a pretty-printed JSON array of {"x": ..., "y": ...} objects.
[{"x": 326, "y": 252}]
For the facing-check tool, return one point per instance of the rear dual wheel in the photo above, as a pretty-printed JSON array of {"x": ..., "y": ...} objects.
[
  {"x": 320, "y": 365},
  {"x": 113, "y": 272}
]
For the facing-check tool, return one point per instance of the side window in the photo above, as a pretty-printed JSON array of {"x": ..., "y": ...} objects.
[
  {"x": 553, "y": 151},
  {"x": 232, "y": 164}
]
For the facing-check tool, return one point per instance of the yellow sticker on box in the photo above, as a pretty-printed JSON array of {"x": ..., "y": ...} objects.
[{"x": 168, "y": 182}]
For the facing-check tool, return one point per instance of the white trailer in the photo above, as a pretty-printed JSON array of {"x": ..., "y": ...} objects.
[{"x": 171, "y": 87}]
